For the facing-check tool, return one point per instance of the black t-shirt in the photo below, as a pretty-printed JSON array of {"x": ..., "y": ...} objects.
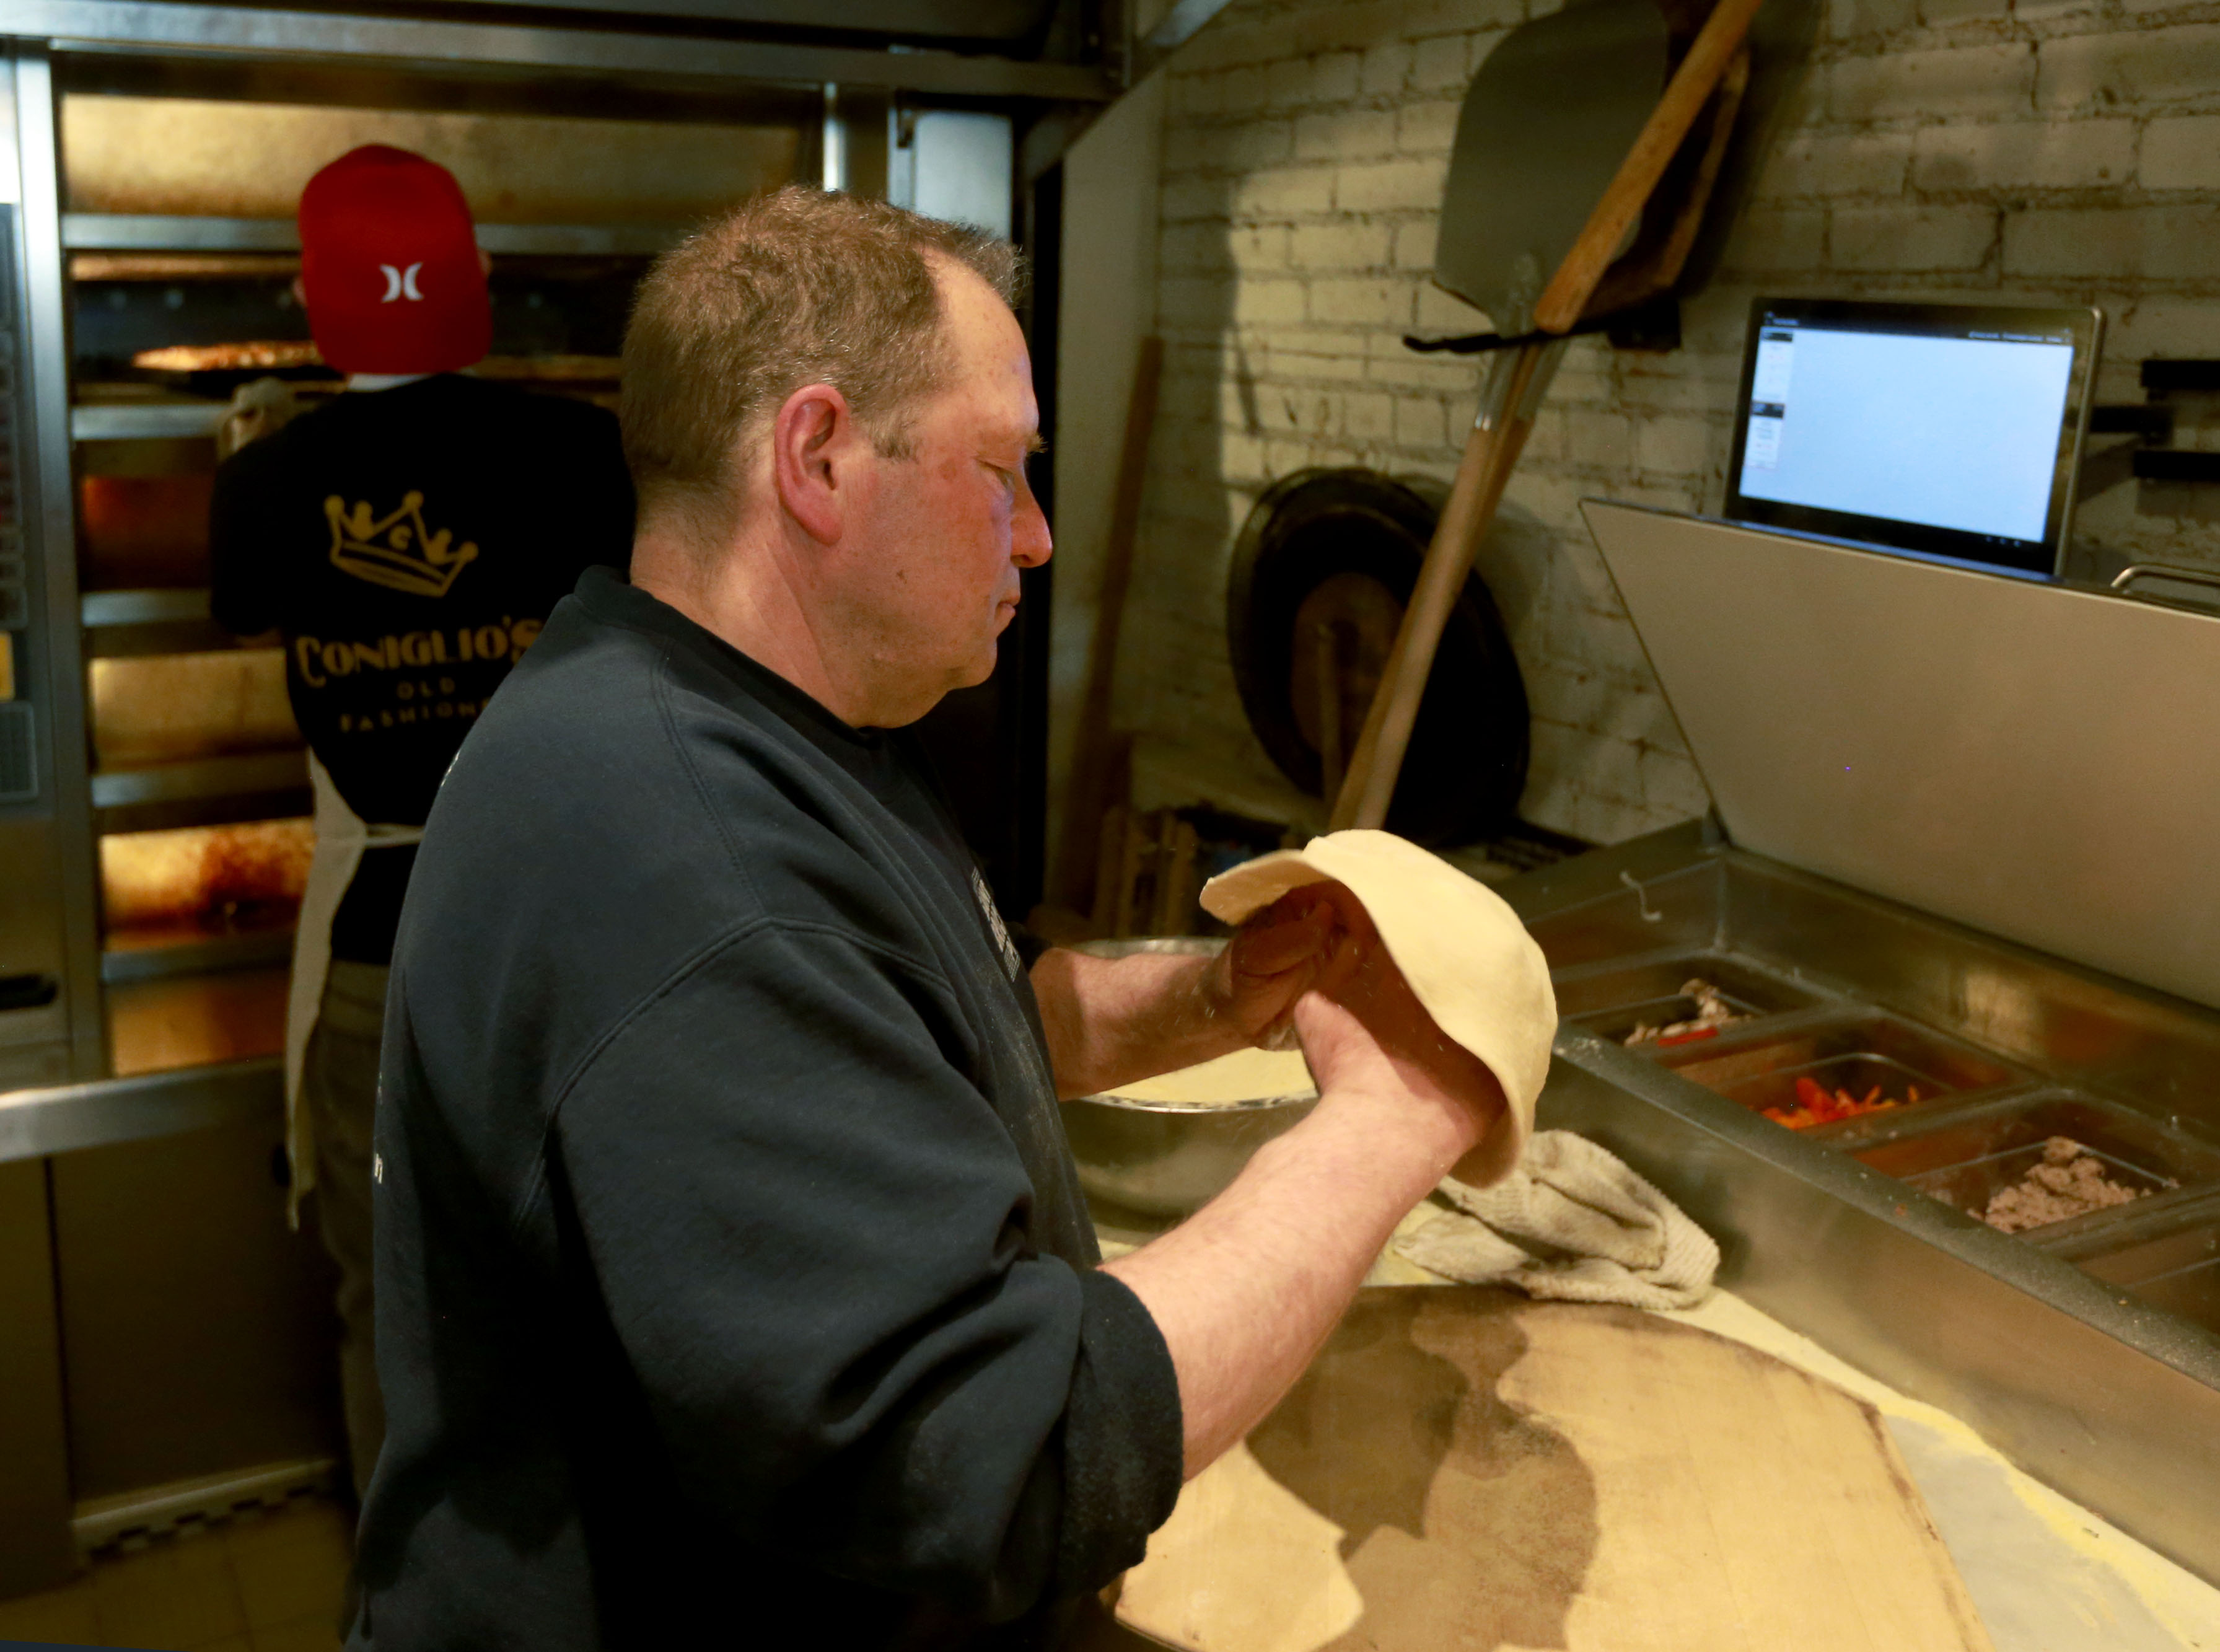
[
  {"x": 410, "y": 544},
  {"x": 734, "y": 1283}
]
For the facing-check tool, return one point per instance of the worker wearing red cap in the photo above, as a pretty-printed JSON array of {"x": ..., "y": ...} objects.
[{"x": 407, "y": 540}]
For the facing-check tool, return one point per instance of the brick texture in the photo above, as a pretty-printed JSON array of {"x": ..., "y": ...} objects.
[
  {"x": 2154, "y": 244},
  {"x": 2063, "y": 150},
  {"x": 2005, "y": 155},
  {"x": 2117, "y": 69},
  {"x": 2182, "y": 152},
  {"x": 1910, "y": 238},
  {"x": 1918, "y": 84}
]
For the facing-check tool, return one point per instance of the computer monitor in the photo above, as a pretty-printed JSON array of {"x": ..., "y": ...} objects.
[{"x": 1950, "y": 430}]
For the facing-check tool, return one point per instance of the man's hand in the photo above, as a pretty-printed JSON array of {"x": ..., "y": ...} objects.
[
  {"x": 1273, "y": 959},
  {"x": 1246, "y": 1289},
  {"x": 1310, "y": 966},
  {"x": 1364, "y": 1031},
  {"x": 1111, "y": 1020}
]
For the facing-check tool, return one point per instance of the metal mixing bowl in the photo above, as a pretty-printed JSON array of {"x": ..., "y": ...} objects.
[{"x": 1159, "y": 1157}]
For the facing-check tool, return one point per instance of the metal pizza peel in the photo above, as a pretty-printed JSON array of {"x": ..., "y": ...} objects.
[{"x": 1569, "y": 130}]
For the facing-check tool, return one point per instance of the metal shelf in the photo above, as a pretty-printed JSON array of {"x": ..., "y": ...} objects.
[
  {"x": 100, "y": 231},
  {"x": 580, "y": 240},
  {"x": 143, "y": 608},
  {"x": 124, "y": 625},
  {"x": 197, "y": 957},
  {"x": 451, "y": 49},
  {"x": 65, "y": 1117},
  {"x": 123, "y": 421},
  {"x": 201, "y": 777},
  {"x": 180, "y": 637}
]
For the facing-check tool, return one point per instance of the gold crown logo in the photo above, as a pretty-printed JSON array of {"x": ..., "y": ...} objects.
[{"x": 399, "y": 552}]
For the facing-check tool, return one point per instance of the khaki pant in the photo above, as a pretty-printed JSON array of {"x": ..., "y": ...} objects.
[{"x": 338, "y": 1085}]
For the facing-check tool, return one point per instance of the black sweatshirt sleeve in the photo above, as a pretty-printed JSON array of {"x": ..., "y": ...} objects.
[{"x": 804, "y": 1223}]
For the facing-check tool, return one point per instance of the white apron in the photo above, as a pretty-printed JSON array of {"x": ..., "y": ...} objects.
[{"x": 342, "y": 836}]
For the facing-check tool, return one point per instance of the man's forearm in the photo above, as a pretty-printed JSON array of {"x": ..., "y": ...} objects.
[
  {"x": 1111, "y": 1020},
  {"x": 1246, "y": 1290}
]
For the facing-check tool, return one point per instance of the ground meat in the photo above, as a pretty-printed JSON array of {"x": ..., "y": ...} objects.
[{"x": 2070, "y": 1182}]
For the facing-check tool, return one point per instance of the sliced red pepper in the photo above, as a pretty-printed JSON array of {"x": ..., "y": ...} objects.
[{"x": 1689, "y": 1036}]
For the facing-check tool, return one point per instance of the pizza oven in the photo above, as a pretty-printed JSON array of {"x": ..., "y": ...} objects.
[{"x": 1321, "y": 572}]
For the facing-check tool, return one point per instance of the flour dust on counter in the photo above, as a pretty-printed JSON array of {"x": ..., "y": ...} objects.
[{"x": 1463, "y": 1466}]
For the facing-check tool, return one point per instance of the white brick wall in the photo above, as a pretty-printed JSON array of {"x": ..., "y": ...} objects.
[{"x": 2051, "y": 150}]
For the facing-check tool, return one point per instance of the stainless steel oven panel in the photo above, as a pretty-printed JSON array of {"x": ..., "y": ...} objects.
[
  {"x": 55, "y": 682},
  {"x": 34, "y": 1479},
  {"x": 33, "y": 1003},
  {"x": 35, "y": 909}
]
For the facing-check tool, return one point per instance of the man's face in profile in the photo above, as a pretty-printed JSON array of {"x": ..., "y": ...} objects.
[{"x": 950, "y": 526}]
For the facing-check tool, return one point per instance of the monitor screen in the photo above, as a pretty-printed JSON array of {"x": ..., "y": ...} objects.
[{"x": 1948, "y": 429}]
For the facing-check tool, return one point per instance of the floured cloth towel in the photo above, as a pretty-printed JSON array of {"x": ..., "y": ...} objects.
[{"x": 1573, "y": 1224}]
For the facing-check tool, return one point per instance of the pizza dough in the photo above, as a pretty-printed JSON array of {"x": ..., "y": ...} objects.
[
  {"x": 1245, "y": 1075},
  {"x": 1466, "y": 956}
]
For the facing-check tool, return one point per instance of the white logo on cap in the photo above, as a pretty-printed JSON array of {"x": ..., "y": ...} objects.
[{"x": 400, "y": 283}]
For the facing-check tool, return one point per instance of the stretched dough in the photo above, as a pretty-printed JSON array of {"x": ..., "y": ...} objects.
[
  {"x": 1468, "y": 959},
  {"x": 1245, "y": 1075}
]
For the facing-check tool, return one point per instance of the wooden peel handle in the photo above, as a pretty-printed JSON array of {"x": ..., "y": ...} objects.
[
  {"x": 1691, "y": 87},
  {"x": 1456, "y": 524},
  {"x": 1489, "y": 455}
]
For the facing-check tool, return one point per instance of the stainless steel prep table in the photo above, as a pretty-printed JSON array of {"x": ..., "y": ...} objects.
[{"x": 1855, "y": 717}]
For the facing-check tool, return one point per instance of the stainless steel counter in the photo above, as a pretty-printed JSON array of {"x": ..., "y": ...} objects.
[{"x": 2080, "y": 1380}]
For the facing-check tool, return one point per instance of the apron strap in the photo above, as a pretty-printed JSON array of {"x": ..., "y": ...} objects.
[{"x": 342, "y": 836}]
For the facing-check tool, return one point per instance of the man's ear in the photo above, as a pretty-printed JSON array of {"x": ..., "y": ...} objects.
[{"x": 813, "y": 449}]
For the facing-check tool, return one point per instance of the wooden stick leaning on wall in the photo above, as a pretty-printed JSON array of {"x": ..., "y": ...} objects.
[
  {"x": 1491, "y": 449},
  {"x": 1489, "y": 454},
  {"x": 1088, "y": 801}
]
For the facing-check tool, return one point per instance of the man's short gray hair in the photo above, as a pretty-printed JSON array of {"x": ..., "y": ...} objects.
[{"x": 792, "y": 288}]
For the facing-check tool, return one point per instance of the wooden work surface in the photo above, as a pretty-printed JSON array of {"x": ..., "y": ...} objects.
[{"x": 1464, "y": 1468}]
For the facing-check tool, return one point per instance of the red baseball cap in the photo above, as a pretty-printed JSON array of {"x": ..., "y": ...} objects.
[{"x": 390, "y": 266}]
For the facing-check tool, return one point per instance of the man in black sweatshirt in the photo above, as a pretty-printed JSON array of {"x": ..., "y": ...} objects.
[{"x": 734, "y": 1283}]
